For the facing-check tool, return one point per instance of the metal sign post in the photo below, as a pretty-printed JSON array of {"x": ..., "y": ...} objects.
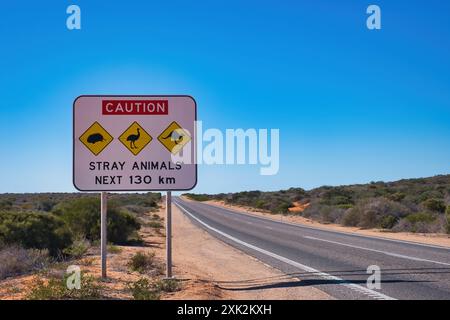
[
  {"x": 103, "y": 232},
  {"x": 169, "y": 234}
]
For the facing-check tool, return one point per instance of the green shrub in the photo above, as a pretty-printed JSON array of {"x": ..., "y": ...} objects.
[
  {"x": 168, "y": 285},
  {"x": 82, "y": 216},
  {"x": 56, "y": 289},
  {"x": 388, "y": 222},
  {"x": 77, "y": 249},
  {"x": 142, "y": 262},
  {"x": 428, "y": 194},
  {"x": 282, "y": 208},
  {"x": 6, "y": 204},
  {"x": 45, "y": 205},
  {"x": 260, "y": 204},
  {"x": 424, "y": 217},
  {"x": 197, "y": 197},
  {"x": 114, "y": 249},
  {"x": 398, "y": 196},
  {"x": 34, "y": 230},
  {"x": 154, "y": 224},
  {"x": 143, "y": 290},
  {"x": 337, "y": 196},
  {"x": 434, "y": 205},
  {"x": 148, "y": 201}
]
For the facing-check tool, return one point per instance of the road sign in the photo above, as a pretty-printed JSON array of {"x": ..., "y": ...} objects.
[
  {"x": 115, "y": 147},
  {"x": 174, "y": 138},
  {"x": 135, "y": 138},
  {"x": 96, "y": 138}
]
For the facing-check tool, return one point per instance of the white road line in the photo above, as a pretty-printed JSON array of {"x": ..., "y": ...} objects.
[
  {"x": 379, "y": 251},
  {"x": 299, "y": 225},
  {"x": 352, "y": 286}
]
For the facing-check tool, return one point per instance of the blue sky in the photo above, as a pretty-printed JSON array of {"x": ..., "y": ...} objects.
[{"x": 352, "y": 105}]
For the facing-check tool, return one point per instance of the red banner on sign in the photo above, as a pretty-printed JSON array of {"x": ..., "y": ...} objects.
[{"x": 135, "y": 107}]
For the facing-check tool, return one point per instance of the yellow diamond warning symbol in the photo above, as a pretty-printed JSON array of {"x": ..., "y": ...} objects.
[
  {"x": 174, "y": 137},
  {"x": 96, "y": 138},
  {"x": 135, "y": 138}
]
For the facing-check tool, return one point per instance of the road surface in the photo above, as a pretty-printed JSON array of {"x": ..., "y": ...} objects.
[{"x": 334, "y": 262}]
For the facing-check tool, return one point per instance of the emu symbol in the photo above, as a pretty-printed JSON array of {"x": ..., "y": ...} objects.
[
  {"x": 133, "y": 138},
  {"x": 175, "y": 136},
  {"x": 95, "y": 137}
]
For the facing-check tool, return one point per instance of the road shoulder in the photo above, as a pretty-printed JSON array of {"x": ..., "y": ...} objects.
[{"x": 202, "y": 258}]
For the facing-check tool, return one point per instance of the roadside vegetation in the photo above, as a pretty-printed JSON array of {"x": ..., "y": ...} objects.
[
  {"x": 150, "y": 289},
  {"x": 413, "y": 205},
  {"x": 144, "y": 289},
  {"x": 55, "y": 288},
  {"x": 145, "y": 263},
  {"x": 39, "y": 230}
]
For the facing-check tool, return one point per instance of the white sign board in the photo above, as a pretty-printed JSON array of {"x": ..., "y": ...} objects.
[{"x": 134, "y": 143}]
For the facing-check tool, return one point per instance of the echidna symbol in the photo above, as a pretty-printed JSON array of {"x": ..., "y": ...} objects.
[{"x": 95, "y": 137}]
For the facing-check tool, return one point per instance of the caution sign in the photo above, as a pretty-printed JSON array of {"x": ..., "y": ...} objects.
[
  {"x": 96, "y": 138},
  {"x": 135, "y": 143},
  {"x": 135, "y": 138},
  {"x": 174, "y": 138}
]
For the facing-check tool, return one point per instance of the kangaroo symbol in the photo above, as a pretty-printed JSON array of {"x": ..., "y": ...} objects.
[{"x": 175, "y": 136}]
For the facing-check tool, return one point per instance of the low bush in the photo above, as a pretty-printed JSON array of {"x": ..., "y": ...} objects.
[
  {"x": 82, "y": 216},
  {"x": 197, "y": 197},
  {"x": 369, "y": 219},
  {"x": 56, "y": 289},
  {"x": 45, "y": 205},
  {"x": 6, "y": 204},
  {"x": 435, "y": 205},
  {"x": 154, "y": 224},
  {"x": 114, "y": 249},
  {"x": 77, "y": 249},
  {"x": 142, "y": 262},
  {"x": 397, "y": 196},
  {"x": 388, "y": 222},
  {"x": 37, "y": 230},
  {"x": 351, "y": 218},
  {"x": 142, "y": 289},
  {"x": 337, "y": 196},
  {"x": 15, "y": 261},
  {"x": 282, "y": 208},
  {"x": 423, "y": 222},
  {"x": 423, "y": 217},
  {"x": 167, "y": 285}
]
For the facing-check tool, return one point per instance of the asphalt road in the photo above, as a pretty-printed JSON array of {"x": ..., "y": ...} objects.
[{"x": 334, "y": 262}]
